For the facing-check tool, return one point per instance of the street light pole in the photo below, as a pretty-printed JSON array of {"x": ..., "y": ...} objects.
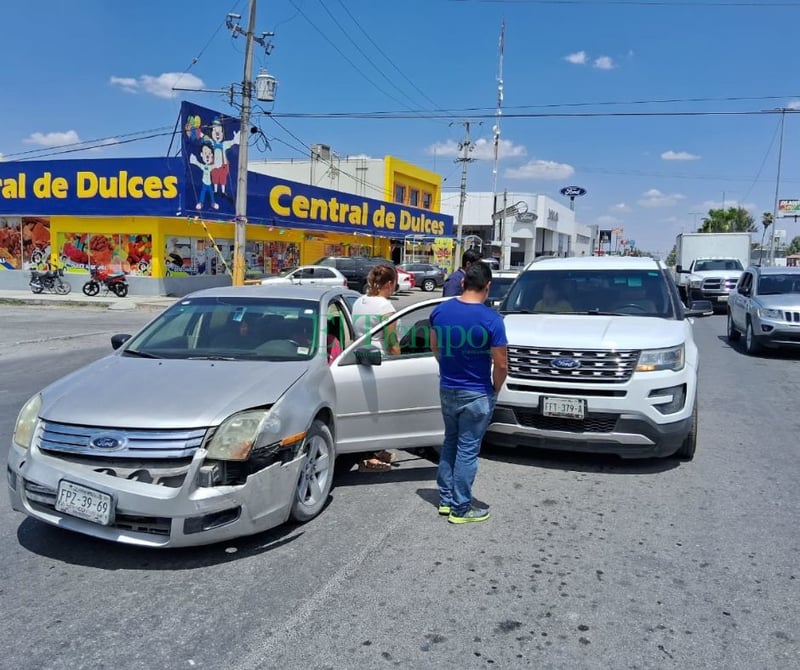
[
  {"x": 466, "y": 147},
  {"x": 240, "y": 233},
  {"x": 777, "y": 192}
]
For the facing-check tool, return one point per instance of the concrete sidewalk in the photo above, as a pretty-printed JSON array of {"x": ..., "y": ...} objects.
[{"x": 78, "y": 299}]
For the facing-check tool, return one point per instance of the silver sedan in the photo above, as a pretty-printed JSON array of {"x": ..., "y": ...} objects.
[{"x": 237, "y": 402}]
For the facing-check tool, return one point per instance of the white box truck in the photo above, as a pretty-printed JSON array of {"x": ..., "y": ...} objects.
[{"x": 708, "y": 265}]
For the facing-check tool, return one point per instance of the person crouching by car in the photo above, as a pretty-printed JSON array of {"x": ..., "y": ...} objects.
[{"x": 368, "y": 311}]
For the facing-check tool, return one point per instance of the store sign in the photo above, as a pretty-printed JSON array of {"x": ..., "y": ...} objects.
[
  {"x": 115, "y": 186},
  {"x": 789, "y": 207},
  {"x": 552, "y": 216}
]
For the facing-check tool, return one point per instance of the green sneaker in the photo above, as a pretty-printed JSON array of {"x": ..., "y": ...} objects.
[
  {"x": 472, "y": 515},
  {"x": 444, "y": 510}
]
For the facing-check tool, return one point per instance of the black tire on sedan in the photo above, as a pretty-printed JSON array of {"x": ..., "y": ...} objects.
[
  {"x": 733, "y": 334},
  {"x": 428, "y": 285},
  {"x": 316, "y": 473}
]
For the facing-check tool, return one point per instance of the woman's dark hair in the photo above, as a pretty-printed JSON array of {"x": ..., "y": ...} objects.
[
  {"x": 378, "y": 276},
  {"x": 477, "y": 276}
]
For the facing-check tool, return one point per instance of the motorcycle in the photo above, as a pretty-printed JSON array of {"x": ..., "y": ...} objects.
[
  {"x": 110, "y": 281},
  {"x": 51, "y": 281}
]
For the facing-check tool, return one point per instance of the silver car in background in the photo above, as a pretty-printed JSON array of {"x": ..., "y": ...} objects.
[
  {"x": 765, "y": 306},
  {"x": 234, "y": 410}
]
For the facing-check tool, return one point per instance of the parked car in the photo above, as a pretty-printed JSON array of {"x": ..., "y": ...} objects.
[
  {"x": 354, "y": 268},
  {"x": 224, "y": 453},
  {"x": 765, "y": 306},
  {"x": 309, "y": 274},
  {"x": 601, "y": 358},
  {"x": 427, "y": 277},
  {"x": 501, "y": 282},
  {"x": 405, "y": 280}
]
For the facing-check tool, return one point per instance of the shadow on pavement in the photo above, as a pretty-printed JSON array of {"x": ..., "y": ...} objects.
[
  {"x": 785, "y": 354},
  {"x": 407, "y": 468},
  {"x": 76, "y": 549},
  {"x": 579, "y": 462}
]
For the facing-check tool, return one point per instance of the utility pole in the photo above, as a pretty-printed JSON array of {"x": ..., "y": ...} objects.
[
  {"x": 777, "y": 192},
  {"x": 240, "y": 232},
  {"x": 465, "y": 146}
]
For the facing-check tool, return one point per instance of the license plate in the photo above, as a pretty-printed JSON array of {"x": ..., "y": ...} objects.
[
  {"x": 84, "y": 503},
  {"x": 565, "y": 408}
]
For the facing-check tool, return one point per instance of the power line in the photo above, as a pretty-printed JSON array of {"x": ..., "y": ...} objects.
[
  {"x": 421, "y": 115},
  {"x": 640, "y": 3},
  {"x": 100, "y": 146},
  {"x": 763, "y": 162},
  {"x": 85, "y": 145}
]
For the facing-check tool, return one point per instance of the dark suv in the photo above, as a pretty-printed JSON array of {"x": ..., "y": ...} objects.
[
  {"x": 426, "y": 276},
  {"x": 354, "y": 268}
]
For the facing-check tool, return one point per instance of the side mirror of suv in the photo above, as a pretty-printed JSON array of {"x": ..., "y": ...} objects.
[{"x": 700, "y": 308}]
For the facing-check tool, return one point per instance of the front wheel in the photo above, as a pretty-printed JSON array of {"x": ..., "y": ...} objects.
[
  {"x": 36, "y": 288},
  {"x": 733, "y": 334},
  {"x": 91, "y": 288},
  {"x": 686, "y": 452},
  {"x": 751, "y": 344},
  {"x": 62, "y": 287},
  {"x": 120, "y": 288},
  {"x": 316, "y": 473},
  {"x": 428, "y": 285}
]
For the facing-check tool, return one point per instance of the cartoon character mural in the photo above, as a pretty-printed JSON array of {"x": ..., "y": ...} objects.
[{"x": 210, "y": 149}]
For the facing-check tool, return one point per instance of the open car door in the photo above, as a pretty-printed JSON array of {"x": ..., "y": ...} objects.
[{"x": 389, "y": 402}]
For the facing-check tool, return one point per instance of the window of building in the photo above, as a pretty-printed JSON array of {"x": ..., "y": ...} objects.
[
  {"x": 414, "y": 198},
  {"x": 399, "y": 193},
  {"x": 427, "y": 200}
]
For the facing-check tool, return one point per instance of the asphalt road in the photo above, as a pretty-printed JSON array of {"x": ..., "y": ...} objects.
[{"x": 587, "y": 562}]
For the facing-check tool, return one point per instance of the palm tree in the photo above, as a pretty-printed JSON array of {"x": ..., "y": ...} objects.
[{"x": 766, "y": 221}]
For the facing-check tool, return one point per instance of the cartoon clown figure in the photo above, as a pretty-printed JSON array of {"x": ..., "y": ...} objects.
[
  {"x": 206, "y": 165},
  {"x": 221, "y": 168}
]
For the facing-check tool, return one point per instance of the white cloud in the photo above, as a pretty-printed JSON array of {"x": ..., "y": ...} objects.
[
  {"x": 160, "y": 86},
  {"x": 655, "y": 198},
  {"x": 483, "y": 149},
  {"x": 578, "y": 58},
  {"x": 679, "y": 156},
  {"x": 607, "y": 220},
  {"x": 540, "y": 169},
  {"x": 621, "y": 207},
  {"x": 794, "y": 104},
  {"x": 55, "y": 139},
  {"x": 604, "y": 63}
]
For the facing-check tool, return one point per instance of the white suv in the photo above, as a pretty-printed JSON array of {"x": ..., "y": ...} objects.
[{"x": 601, "y": 359}]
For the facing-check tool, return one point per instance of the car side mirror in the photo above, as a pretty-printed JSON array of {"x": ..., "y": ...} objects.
[
  {"x": 368, "y": 356},
  {"x": 679, "y": 269},
  {"x": 700, "y": 308},
  {"x": 118, "y": 340}
]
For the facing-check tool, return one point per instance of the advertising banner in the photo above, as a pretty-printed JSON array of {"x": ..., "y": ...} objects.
[
  {"x": 788, "y": 207},
  {"x": 110, "y": 186}
]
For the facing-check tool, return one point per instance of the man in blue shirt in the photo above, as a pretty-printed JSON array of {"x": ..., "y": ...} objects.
[
  {"x": 469, "y": 342},
  {"x": 452, "y": 285}
]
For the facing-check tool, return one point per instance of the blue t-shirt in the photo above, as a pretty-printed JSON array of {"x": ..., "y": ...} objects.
[
  {"x": 452, "y": 285},
  {"x": 466, "y": 333}
]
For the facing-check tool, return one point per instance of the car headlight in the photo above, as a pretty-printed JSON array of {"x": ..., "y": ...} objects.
[
  {"x": 765, "y": 313},
  {"x": 236, "y": 436},
  {"x": 26, "y": 422},
  {"x": 651, "y": 360},
  {"x": 697, "y": 283}
]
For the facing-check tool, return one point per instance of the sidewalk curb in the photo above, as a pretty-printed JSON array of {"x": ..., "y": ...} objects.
[{"x": 54, "y": 302}]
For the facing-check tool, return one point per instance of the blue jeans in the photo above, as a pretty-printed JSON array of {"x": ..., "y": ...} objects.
[{"x": 466, "y": 417}]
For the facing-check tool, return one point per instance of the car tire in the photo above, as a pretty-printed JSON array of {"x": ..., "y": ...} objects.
[
  {"x": 428, "y": 285},
  {"x": 733, "y": 334},
  {"x": 751, "y": 344},
  {"x": 316, "y": 473},
  {"x": 687, "y": 449}
]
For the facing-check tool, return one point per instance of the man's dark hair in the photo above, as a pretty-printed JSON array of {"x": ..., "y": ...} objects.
[
  {"x": 470, "y": 256},
  {"x": 477, "y": 276}
]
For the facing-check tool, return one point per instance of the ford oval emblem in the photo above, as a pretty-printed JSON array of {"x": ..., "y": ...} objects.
[
  {"x": 107, "y": 442},
  {"x": 565, "y": 364}
]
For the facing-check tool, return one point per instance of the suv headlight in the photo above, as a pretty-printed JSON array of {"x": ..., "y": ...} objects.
[
  {"x": 697, "y": 283},
  {"x": 236, "y": 436},
  {"x": 764, "y": 313},
  {"x": 651, "y": 360},
  {"x": 26, "y": 422}
]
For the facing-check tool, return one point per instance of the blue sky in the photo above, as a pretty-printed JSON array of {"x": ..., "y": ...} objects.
[{"x": 106, "y": 69}]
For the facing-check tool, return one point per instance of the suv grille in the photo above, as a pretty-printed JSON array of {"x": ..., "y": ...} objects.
[
  {"x": 593, "y": 366},
  {"x": 792, "y": 317},
  {"x": 593, "y": 423}
]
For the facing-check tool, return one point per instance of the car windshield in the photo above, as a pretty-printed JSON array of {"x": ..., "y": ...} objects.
[
  {"x": 604, "y": 291},
  {"x": 779, "y": 284},
  {"x": 499, "y": 287},
  {"x": 718, "y": 264},
  {"x": 241, "y": 328}
]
